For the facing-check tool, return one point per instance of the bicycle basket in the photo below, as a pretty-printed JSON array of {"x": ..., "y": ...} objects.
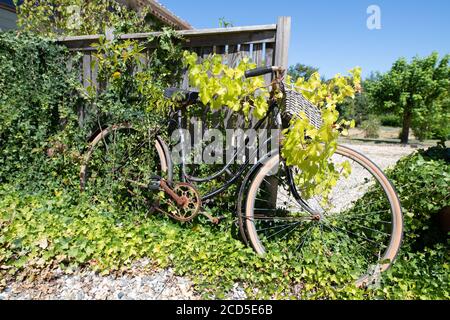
[{"x": 295, "y": 103}]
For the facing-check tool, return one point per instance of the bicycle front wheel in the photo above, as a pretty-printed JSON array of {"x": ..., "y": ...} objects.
[{"x": 357, "y": 233}]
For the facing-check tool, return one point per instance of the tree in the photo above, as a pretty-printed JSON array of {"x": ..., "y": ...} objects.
[
  {"x": 416, "y": 91},
  {"x": 301, "y": 71}
]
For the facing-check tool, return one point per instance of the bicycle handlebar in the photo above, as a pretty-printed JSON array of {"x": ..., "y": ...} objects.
[{"x": 261, "y": 71}]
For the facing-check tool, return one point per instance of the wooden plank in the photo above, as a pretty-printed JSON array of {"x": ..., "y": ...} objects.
[
  {"x": 206, "y": 52},
  {"x": 233, "y": 56},
  {"x": 193, "y": 38},
  {"x": 86, "y": 70},
  {"x": 282, "y": 43},
  {"x": 257, "y": 54},
  {"x": 269, "y": 60},
  {"x": 229, "y": 39},
  {"x": 86, "y": 78},
  {"x": 221, "y": 50},
  {"x": 186, "y": 33},
  {"x": 142, "y": 63},
  {"x": 69, "y": 65},
  {"x": 94, "y": 72},
  {"x": 244, "y": 51},
  {"x": 109, "y": 34},
  {"x": 185, "y": 81},
  {"x": 267, "y": 44}
]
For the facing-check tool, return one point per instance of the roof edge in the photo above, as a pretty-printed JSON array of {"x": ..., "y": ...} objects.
[
  {"x": 166, "y": 15},
  {"x": 7, "y": 7}
]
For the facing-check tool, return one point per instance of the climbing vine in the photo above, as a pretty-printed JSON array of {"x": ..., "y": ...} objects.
[
  {"x": 221, "y": 85},
  {"x": 310, "y": 148},
  {"x": 63, "y": 17}
]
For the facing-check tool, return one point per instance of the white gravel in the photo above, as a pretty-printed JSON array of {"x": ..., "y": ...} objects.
[
  {"x": 87, "y": 285},
  {"x": 356, "y": 185},
  {"x": 384, "y": 156},
  {"x": 163, "y": 285}
]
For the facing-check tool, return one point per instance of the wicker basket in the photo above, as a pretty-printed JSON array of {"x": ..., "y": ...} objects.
[{"x": 296, "y": 103}]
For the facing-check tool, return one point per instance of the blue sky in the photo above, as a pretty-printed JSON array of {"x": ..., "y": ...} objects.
[{"x": 333, "y": 35}]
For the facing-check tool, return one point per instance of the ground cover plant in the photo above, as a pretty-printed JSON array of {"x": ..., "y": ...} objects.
[{"x": 45, "y": 223}]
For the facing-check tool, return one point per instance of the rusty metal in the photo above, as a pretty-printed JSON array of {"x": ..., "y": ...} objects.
[
  {"x": 213, "y": 220},
  {"x": 186, "y": 198},
  {"x": 179, "y": 200}
]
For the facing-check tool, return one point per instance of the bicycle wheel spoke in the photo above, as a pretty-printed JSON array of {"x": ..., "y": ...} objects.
[
  {"x": 307, "y": 237},
  {"x": 266, "y": 218},
  {"x": 290, "y": 226},
  {"x": 355, "y": 243},
  {"x": 352, "y": 233},
  {"x": 274, "y": 227}
]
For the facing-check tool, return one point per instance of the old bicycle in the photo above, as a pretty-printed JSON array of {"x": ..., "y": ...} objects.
[{"x": 271, "y": 211}]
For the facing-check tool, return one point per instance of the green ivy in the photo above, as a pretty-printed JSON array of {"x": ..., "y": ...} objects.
[
  {"x": 76, "y": 17},
  {"x": 45, "y": 223},
  {"x": 37, "y": 101}
]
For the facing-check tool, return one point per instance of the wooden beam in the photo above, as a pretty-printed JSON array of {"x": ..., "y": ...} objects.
[
  {"x": 221, "y": 31},
  {"x": 283, "y": 40}
]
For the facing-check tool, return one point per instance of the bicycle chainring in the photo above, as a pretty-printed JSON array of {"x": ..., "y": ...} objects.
[{"x": 191, "y": 206}]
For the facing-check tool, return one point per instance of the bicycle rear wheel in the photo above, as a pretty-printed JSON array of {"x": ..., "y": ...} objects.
[
  {"x": 123, "y": 161},
  {"x": 357, "y": 234}
]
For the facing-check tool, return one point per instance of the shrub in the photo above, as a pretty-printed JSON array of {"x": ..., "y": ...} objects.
[
  {"x": 422, "y": 267},
  {"x": 422, "y": 182},
  {"x": 371, "y": 127},
  {"x": 390, "y": 120},
  {"x": 357, "y": 108}
]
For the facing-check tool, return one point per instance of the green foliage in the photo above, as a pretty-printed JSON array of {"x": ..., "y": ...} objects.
[
  {"x": 301, "y": 71},
  {"x": 418, "y": 276},
  {"x": 423, "y": 180},
  {"x": 37, "y": 100},
  {"x": 40, "y": 101},
  {"x": 59, "y": 228},
  {"x": 436, "y": 126},
  {"x": 422, "y": 268},
  {"x": 371, "y": 127},
  {"x": 309, "y": 148},
  {"x": 223, "y": 23},
  {"x": 129, "y": 89},
  {"x": 418, "y": 92},
  {"x": 63, "y": 17},
  {"x": 46, "y": 223},
  {"x": 357, "y": 108},
  {"x": 390, "y": 120},
  {"x": 226, "y": 86}
]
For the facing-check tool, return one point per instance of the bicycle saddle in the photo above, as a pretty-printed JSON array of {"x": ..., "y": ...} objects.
[{"x": 186, "y": 97}]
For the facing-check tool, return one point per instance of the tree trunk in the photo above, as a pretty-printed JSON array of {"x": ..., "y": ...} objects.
[{"x": 407, "y": 119}]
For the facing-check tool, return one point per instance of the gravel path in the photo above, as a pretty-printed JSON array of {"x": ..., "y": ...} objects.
[
  {"x": 384, "y": 156},
  {"x": 360, "y": 180},
  {"x": 140, "y": 284},
  {"x": 87, "y": 285}
]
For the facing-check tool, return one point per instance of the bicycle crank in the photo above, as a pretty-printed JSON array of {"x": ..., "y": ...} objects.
[{"x": 184, "y": 201}]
